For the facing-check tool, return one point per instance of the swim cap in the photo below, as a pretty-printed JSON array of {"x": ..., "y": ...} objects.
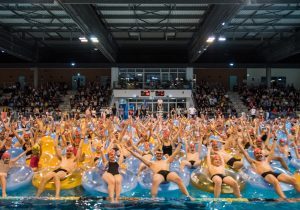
[
  {"x": 5, "y": 155},
  {"x": 36, "y": 147},
  {"x": 257, "y": 150},
  {"x": 26, "y": 135},
  {"x": 282, "y": 140}
]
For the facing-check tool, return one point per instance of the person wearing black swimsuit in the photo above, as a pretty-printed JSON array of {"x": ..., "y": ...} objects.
[{"x": 112, "y": 176}]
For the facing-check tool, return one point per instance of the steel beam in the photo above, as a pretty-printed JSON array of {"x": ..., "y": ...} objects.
[
  {"x": 279, "y": 50},
  {"x": 16, "y": 47},
  {"x": 87, "y": 19},
  {"x": 179, "y": 1},
  {"x": 26, "y": 1},
  {"x": 212, "y": 23}
]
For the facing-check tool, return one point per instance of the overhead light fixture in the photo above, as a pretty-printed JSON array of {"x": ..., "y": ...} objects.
[
  {"x": 94, "y": 39},
  {"x": 223, "y": 24},
  {"x": 95, "y": 49},
  {"x": 199, "y": 51},
  {"x": 210, "y": 39},
  {"x": 222, "y": 39},
  {"x": 73, "y": 64},
  {"x": 231, "y": 64},
  {"x": 83, "y": 39}
]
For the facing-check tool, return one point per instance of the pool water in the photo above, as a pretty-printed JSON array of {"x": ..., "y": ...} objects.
[{"x": 173, "y": 200}]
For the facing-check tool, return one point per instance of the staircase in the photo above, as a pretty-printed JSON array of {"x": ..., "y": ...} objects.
[
  {"x": 237, "y": 102},
  {"x": 65, "y": 105}
]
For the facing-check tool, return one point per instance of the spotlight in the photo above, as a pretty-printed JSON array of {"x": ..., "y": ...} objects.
[
  {"x": 94, "y": 39},
  {"x": 223, "y": 24},
  {"x": 210, "y": 39},
  {"x": 231, "y": 64},
  {"x": 2, "y": 51},
  {"x": 73, "y": 64},
  {"x": 199, "y": 51},
  {"x": 222, "y": 39},
  {"x": 83, "y": 39},
  {"x": 95, "y": 49},
  {"x": 78, "y": 74}
]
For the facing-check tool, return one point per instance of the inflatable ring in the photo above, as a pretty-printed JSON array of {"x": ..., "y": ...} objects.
[
  {"x": 145, "y": 179},
  {"x": 71, "y": 181},
  {"x": 201, "y": 180},
  {"x": 93, "y": 183},
  {"x": 258, "y": 181},
  {"x": 20, "y": 176}
]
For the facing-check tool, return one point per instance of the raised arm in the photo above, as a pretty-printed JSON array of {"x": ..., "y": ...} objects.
[
  {"x": 146, "y": 162},
  {"x": 57, "y": 152},
  {"x": 19, "y": 156},
  {"x": 177, "y": 150},
  {"x": 271, "y": 154},
  {"x": 208, "y": 160},
  {"x": 249, "y": 159}
]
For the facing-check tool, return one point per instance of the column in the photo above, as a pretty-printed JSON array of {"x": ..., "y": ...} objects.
[
  {"x": 268, "y": 76},
  {"x": 114, "y": 76},
  {"x": 35, "y": 77},
  {"x": 189, "y": 75}
]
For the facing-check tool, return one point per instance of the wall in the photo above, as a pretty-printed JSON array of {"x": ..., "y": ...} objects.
[
  {"x": 292, "y": 75},
  {"x": 10, "y": 76},
  {"x": 220, "y": 75},
  {"x": 47, "y": 75}
]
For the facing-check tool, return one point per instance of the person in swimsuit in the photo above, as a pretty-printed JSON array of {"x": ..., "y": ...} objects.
[
  {"x": 112, "y": 176},
  {"x": 5, "y": 165},
  {"x": 161, "y": 171},
  {"x": 192, "y": 156},
  {"x": 216, "y": 168},
  {"x": 68, "y": 164},
  {"x": 262, "y": 166}
]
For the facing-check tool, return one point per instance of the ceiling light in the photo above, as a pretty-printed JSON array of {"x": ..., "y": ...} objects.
[
  {"x": 83, "y": 39},
  {"x": 73, "y": 64},
  {"x": 223, "y": 24},
  {"x": 210, "y": 39},
  {"x": 94, "y": 39},
  {"x": 231, "y": 64},
  {"x": 222, "y": 39},
  {"x": 95, "y": 49},
  {"x": 199, "y": 51}
]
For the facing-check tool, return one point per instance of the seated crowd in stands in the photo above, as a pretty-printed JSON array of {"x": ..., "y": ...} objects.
[
  {"x": 277, "y": 101},
  {"x": 93, "y": 96},
  {"x": 211, "y": 99},
  {"x": 29, "y": 100}
]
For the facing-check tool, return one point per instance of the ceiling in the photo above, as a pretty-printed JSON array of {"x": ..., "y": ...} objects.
[{"x": 159, "y": 31}]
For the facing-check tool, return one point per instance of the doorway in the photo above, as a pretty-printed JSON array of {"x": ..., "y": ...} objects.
[
  {"x": 232, "y": 82},
  {"x": 78, "y": 81}
]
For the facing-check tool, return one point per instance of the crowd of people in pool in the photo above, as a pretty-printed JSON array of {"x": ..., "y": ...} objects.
[{"x": 157, "y": 142}]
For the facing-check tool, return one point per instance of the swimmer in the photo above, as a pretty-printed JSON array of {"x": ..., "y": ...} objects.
[
  {"x": 232, "y": 162},
  {"x": 68, "y": 164},
  {"x": 161, "y": 171},
  {"x": 5, "y": 165},
  {"x": 261, "y": 165},
  {"x": 192, "y": 156},
  {"x": 112, "y": 176},
  {"x": 216, "y": 168}
]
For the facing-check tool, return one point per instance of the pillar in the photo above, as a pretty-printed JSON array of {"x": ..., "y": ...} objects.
[
  {"x": 114, "y": 76},
  {"x": 268, "y": 76},
  {"x": 35, "y": 77}
]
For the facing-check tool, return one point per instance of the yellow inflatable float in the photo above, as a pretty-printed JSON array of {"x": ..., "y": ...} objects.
[
  {"x": 200, "y": 179},
  {"x": 49, "y": 162}
]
